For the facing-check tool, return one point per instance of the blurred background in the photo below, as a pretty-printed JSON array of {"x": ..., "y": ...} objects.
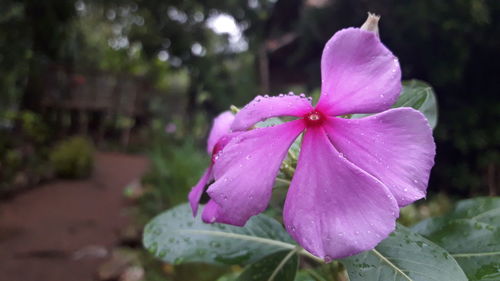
[{"x": 105, "y": 107}]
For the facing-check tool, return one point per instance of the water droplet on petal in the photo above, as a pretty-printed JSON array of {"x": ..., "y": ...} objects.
[
  {"x": 281, "y": 95},
  {"x": 328, "y": 259},
  {"x": 302, "y": 95}
]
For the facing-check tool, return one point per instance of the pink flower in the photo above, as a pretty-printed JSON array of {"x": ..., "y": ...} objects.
[
  {"x": 352, "y": 174},
  {"x": 217, "y": 139}
]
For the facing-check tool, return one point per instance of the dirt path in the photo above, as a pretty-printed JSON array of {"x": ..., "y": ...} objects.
[{"x": 63, "y": 230}]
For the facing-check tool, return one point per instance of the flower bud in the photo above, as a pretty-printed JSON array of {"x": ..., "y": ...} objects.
[{"x": 371, "y": 23}]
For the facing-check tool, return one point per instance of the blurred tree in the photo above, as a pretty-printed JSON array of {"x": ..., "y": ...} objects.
[
  {"x": 47, "y": 30},
  {"x": 185, "y": 49}
]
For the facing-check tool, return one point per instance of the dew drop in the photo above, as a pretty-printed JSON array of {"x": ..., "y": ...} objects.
[
  {"x": 248, "y": 157},
  {"x": 281, "y": 95},
  {"x": 214, "y": 244},
  {"x": 291, "y": 94},
  {"x": 266, "y": 96},
  {"x": 328, "y": 259},
  {"x": 163, "y": 253},
  {"x": 302, "y": 95},
  {"x": 157, "y": 231},
  {"x": 405, "y": 190},
  {"x": 415, "y": 181}
]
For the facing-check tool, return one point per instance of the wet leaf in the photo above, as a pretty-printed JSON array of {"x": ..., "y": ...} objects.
[
  {"x": 176, "y": 237},
  {"x": 418, "y": 95},
  {"x": 304, "y": 276},
  {"x": 404, "y": 256},
  {"x": 471, "y": 234},
  {"x": 282, "y": 266}
]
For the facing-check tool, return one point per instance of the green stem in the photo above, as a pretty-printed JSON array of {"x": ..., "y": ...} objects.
[
  {"x": 283, "y": 262},
  {"x": 283, "y": 181},
  {"x": 311, "y": 256}
]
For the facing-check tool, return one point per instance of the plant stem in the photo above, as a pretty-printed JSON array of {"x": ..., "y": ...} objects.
[
  {"x": 283, "y": 262},
  {"x": 283, "y": 181}
]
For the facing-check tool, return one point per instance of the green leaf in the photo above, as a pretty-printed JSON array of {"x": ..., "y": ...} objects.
[
  {"x": 419, "y": 95},
  {"x": 404, "y": 256},
  {"x": 280, "y": 266},
  {"x": 471, "y": 234},
  {"x": 270, "y": 122},
  {"x": 228, "y": 277},
  {"x": 304, "y": 276},
  {"x": 176, "y": 237}
]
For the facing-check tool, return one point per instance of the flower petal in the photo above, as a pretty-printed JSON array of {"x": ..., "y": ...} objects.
[
  {"x": 359, "y": 74},
  {"x": 210, "y": 212},
  {"x": 395, "y": 146},
  {"x": 220, "y": 127},
  {"x": 246, "y": 170},
  {"x": 262, "y": 108},
  {"x": 333, "y": 209},
  {"x": 196, "y": 192}
]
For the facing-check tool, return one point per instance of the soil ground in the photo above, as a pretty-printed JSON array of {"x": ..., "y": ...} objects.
[{"x": 63, "y": 230}]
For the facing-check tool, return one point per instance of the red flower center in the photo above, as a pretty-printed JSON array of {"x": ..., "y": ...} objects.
[{"x": 314, "y": 118}]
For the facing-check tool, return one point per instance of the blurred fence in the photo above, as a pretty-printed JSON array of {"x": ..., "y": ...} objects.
[{"x": 95, "y": 102}]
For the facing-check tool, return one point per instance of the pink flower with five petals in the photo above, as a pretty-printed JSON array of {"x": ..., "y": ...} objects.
[{"x": 352, "y": 175}]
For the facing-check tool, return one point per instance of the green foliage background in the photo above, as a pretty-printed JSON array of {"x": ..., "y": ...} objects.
[{"x": 450, "y": 44}]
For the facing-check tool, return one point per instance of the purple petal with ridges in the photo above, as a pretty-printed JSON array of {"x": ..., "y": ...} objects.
[
  {"x": 246, "y": 170},
  {"x": 262, "y": 108},
  {"x": 334, "y": 209},
  {"x": 359, "y": 74},
  {"x": 395, "y": 146}
]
